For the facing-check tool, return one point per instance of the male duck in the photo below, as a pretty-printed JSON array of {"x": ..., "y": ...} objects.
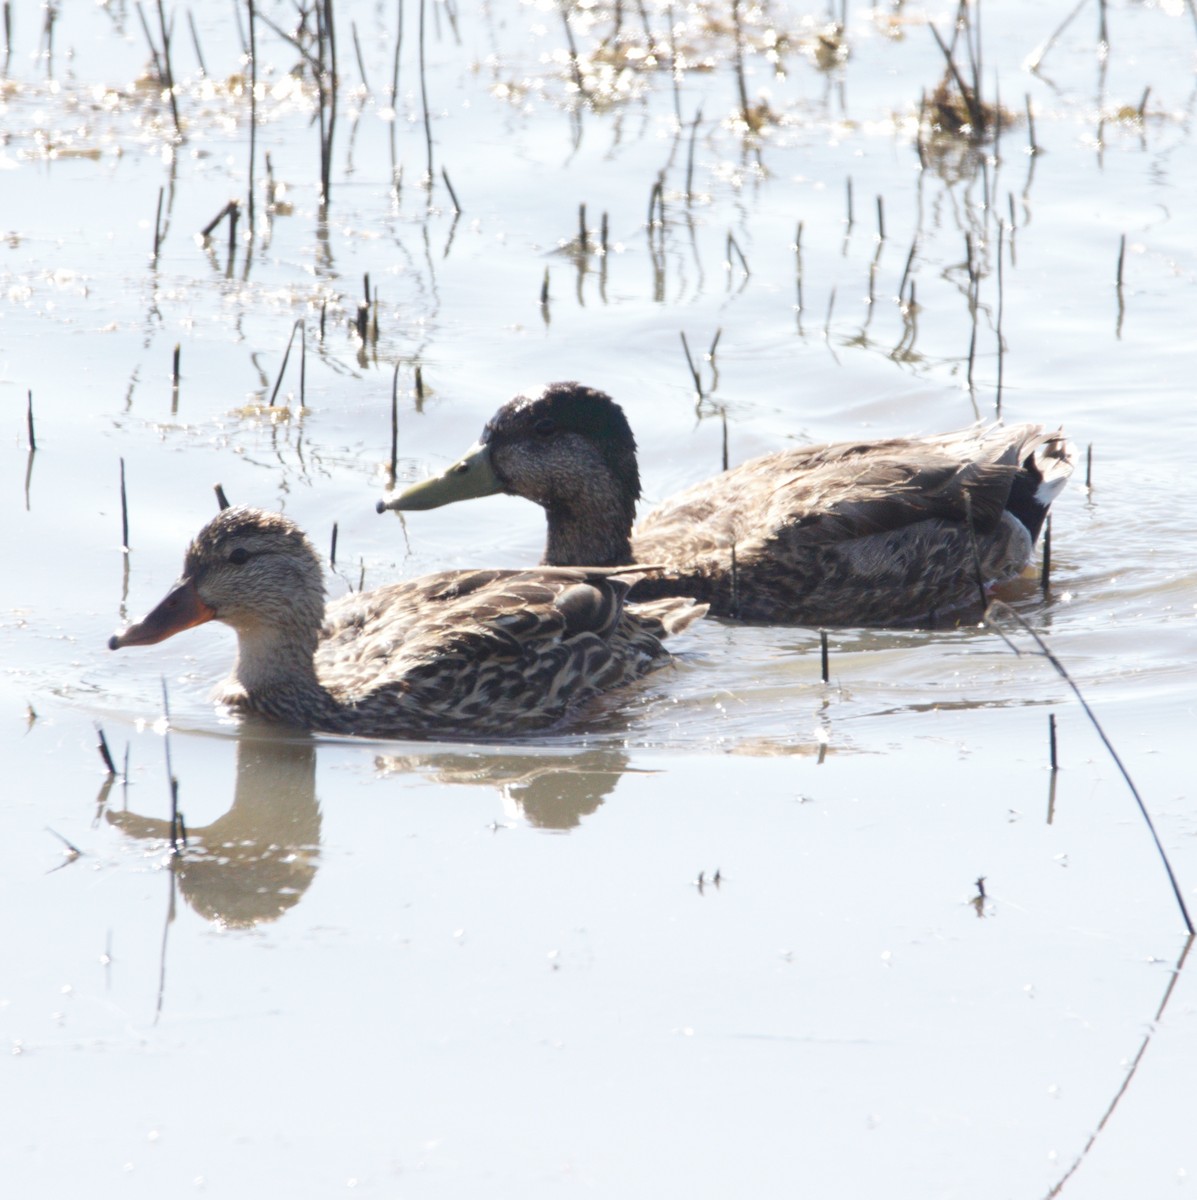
[
  {"x": 891, "y": 532},
  {"x": 461, "y": 653}
]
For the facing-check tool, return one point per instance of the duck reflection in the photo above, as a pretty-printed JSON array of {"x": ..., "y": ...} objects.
[
  {"x": 550, "y": 791},
  {"x": 255, "y": 862}
]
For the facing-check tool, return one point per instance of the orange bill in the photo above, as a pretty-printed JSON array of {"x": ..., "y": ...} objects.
[{"x": 180, "y": 609}]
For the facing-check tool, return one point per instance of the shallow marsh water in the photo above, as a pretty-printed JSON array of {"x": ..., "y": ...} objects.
[{"x": 418, "y": 969}]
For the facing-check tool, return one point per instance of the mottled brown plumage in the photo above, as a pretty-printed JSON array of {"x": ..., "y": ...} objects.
[
  {"x": 461, "y": 653},
  {"x": 890, "y": 532}
]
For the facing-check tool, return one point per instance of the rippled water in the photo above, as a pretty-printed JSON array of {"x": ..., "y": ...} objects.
[{"x": 435, "y": 969}]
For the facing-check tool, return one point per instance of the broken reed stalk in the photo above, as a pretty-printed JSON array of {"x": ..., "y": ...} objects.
[
  {"x": 848, "y": 189},
  {"x": 745, "y": 108},
  {"x": 332, "y": 553},
  {"x": 253, "y": 116},
  {"x": 575, "y": 70},
  {"x": 216, "y": 220},
  {"x": 544, "y": 289},
  {"x": 690, "y": 363},
  {"x": 1121, "y": 261},
  {"x": 170, "y": 77},
  {"x": 1089, "y": 468},
  {"x": 732, "y": 244},
  {"x": 174, "y": 366},
  {"x": 1036, "y": 59},
  {"x": 234, "y": 213},
  {"x": 690, "y": 155},
  {"x": 424, "y": 97},
  {"x": 357, "y": 51},
  {"x": 394, "y": 427},
  {"x": 199, "y": 54},
  {"x": 1001, "y": 358},
  {"x": 395, "y": 61},
  {"x": 880, "y": 218},
  {"x": 583, "y": 239},
  {"x": 287, "y": 354},
  {"x": 798, "y": 269},
  {"x": 824, "y": 656},
  {"x": 723, "y": 422},
  {"x": 158, "y": 225},
  {"x": 969, "y": 96},
  {"x": 656, "y": 203},
  {"x": 452, "y": 193},
  {"x": 222, "y": 500},
  {"x": 105, "y": 753},
  {"x": 1032, "y": 144},
  {"x": 1045, "y": 573},
  {"x": 914, "y": 244},
  {"x": 29, "y": 420},
  {"x": 999, "y": 606},
  {"x": 1051, "y": 742},
  {"x": 124, "y": 511},
  {"x": 419, "y": 387}
]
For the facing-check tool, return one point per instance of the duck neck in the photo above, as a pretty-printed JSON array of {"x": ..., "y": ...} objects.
[
  {"x": 597, "y": 534},
  {"x": 278, "y": 659}
]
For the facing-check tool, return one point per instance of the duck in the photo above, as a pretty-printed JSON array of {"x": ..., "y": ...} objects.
[
  {"x": 892, "y": 532},
  {"x": 459, "y": 654}
]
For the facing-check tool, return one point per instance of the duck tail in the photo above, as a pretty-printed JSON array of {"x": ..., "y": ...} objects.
[
  {"x": 668, "y": 615},
  {"x": 1047, "y": 462}
]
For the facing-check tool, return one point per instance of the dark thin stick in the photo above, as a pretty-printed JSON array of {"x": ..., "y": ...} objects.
[
  {"x": 199, "y": 54},
  {"x": 824, "y": 656},
  {"x": 1062, "y": 671},
  {"x": 234, "y": 213},
  {"x": 424, "y": 97},
  {"x": 881, "y": 218},
  {"x": 573, "y": 49},
  {"x": 394, "y": 425},
  {"x": 395, "y": 63},
  {"x": 1045, "y": 573},
  {"x": 848, "y": 187},
  {"x": 124, "y": 512},
  {"x": 253, "y": 116},
  {"x": 1037, "y": 58},
  {"x": 544, "y": 289},
  {"x": 690, "y": 155},
  {"x": 914, "y": 245},
  {"x": 105, "y": 753},
  {"x": 1121, "y": 260},
  {"x": 656, "y": 202},
  {"x": 357, "y": 50},
  {"x": 170, "y": 77},
  {"x": 732, "y": 244},
  {"x": 332, "y": 553},
  {"x": 1143, "y": 102},
  {"x": 1089, "y": 468},
  {"x": 603, "y": 233},
  {"x": 1051, "y": 742},
  {"x": 583, "y": 238},
  {"x": 286, "y": 354},
  {"x": 29, "y": 420},
  {"x": 158, "y": 226},
  {"x": 221, "y": 499},
  {"x": 1001, "y": 357},
  {"x": 1032, "y": 144},
  {"x": 690, "y": 363},
  {"x": 216, "y": 220},
  {"x": 419, "y": 386},
  {"x": 452, "y": 193},
  {"x": 723, "y": 421},
  {"x": 174, "y": 367}
]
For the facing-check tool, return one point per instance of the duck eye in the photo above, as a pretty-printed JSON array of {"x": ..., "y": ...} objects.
[
  {"x": 238, "y": 556},
  {"x": 544, "y": 426}
]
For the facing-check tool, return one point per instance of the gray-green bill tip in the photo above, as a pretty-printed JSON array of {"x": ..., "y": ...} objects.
[{"x": 472, "y": 475}]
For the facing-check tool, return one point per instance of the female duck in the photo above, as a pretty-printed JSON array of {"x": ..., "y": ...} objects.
[
  {"x": 892, "y": 532},
  {"x": 462, "y": 653}
]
